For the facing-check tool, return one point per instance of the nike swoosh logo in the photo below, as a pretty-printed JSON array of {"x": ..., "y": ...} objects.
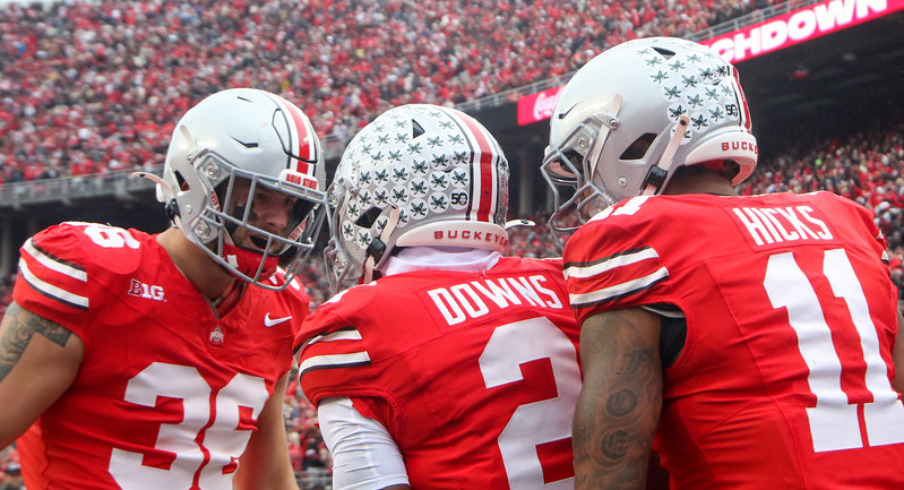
[
  {"x": 249, "y": 144},
  {"x": 563, "y": 114},
  {"x": 269, "y": 322}
]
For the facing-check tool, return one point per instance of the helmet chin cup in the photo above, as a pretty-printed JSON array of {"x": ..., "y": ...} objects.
[{"x": 250, "y": 265}]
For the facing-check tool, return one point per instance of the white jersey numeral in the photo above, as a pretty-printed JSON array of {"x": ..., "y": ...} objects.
[
  {"x": 110, "y": 237},
  {"x": 834, "y": 423},
  {"x": 535, "y": 423},
  {"x": 223, "y": 441}
]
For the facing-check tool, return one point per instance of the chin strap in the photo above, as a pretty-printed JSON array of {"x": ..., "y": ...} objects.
[
  {"x": 518, "y": 222},
  {"x": 608, "y": 124},
  {"x": 167, "y": 190},
  {"x": 657, "y": 174},
  {"x": 168, "y": 197},
  {"x": 377, "y": 247},
  {"x": 256, "y": 266}
]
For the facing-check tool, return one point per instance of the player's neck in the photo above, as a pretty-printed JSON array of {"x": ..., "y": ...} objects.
[
  {"x": 211, "y": 280},
  {"x": 705, "y": 183}
]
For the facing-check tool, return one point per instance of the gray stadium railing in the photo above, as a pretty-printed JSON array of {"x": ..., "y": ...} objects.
[{"x": 68, "y": 189}]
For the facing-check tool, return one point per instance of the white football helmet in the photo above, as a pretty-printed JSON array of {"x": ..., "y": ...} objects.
[
  {"x": 613, "y": 123},
  {"x": 419, "y": 174},
  {"x": 239, "y": 143}
]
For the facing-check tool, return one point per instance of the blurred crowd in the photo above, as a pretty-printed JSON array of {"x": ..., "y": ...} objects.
[
  {"x": 90, "y": 86},
  {"x": 864, "y": 166}
]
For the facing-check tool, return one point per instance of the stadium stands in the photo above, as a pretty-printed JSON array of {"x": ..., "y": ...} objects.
[
  {"x": 863, "y": 166},
  {"x": 93, "y": 87}
]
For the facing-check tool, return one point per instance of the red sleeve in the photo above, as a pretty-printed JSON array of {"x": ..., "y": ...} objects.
[
  {"x": 59, "y": 278},
  {"x": 333, "y": 357},
  {"x": 376, "y": 408},
  {"x": 605, "y": 266}
]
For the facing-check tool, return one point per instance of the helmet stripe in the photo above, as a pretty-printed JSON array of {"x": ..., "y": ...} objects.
[
  {"x": 745, "y": 111},
  {"x": 302, "y": 147},
  {"x": 303, "y": 151},
  {"x": 484, "y": 178}
]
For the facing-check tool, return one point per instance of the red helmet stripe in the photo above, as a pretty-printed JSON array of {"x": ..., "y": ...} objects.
[
  {"x": 486, "y": 193},
  {"x": 743, "y": 99},
  {"x": 301, "y": 128}
]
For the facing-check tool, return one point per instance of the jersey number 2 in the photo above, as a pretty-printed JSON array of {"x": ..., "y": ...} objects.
[
  {"x": 222, "y": 440},
  {"x": 834, "y": 421},
  {"x": 535, "y": 423}
]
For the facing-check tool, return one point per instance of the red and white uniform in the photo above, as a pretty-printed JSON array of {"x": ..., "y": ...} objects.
[
  {"x": 168, "y": 394},
  {"x": 474, "y": 375},
  {"x": 784, "y": 380}
]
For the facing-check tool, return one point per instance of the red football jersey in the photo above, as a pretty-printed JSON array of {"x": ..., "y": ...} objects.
[
  {"x": 784, "y": 380},
  {"x": 167, "y": 394},
  {"x": 474, "y": 375}
]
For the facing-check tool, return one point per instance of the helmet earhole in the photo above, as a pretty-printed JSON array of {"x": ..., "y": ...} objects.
[
  {"x": 368, "y": 218},
  {"x": 638, "y": 149}
]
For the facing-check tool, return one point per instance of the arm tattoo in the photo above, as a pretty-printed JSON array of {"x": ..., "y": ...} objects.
[
  {"x": 621, "y": 403},
  {"x": 21, "y": 325},
  {"x": 614, "y": 445},
  {"x": 619, "y": 410},
  {"x": 634, "y": 360}
]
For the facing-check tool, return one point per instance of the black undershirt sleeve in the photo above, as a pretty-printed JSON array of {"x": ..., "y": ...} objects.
[{"x": 672, "y": 331}]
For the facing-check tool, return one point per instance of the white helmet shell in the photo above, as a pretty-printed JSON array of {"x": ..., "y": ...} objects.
[
  {"x": 418, "y": 175},
  {"x": 615, "y": 118},
  {"x": 254, "y": 135}
]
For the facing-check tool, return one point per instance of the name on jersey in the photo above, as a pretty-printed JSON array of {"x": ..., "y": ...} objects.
[
  {"x": 767, "y": 226},
  {"x": 478, "y": 298},
  {"x": 147, "y": 291}
]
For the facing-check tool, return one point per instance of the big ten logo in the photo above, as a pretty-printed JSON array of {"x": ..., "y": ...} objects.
[{"x": 142, "y": 290}]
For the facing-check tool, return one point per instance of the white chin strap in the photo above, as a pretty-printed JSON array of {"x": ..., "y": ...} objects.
[
  {"x": 610, "y": 123},
  {"x": 665, "y": 161},
  {"x": 162, "y": 188},
  {"x": 390, "y": 227},
  {"x": 518, "y": 222}
]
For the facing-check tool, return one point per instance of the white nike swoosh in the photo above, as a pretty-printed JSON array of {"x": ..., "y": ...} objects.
[{"x": 269, "y": 322}]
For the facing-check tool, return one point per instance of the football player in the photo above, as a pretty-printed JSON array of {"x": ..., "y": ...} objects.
[
  {"x": 753, "y": 335},
  {"x": 140, "y": 361},
  {"x": 449, "y": 366}
]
